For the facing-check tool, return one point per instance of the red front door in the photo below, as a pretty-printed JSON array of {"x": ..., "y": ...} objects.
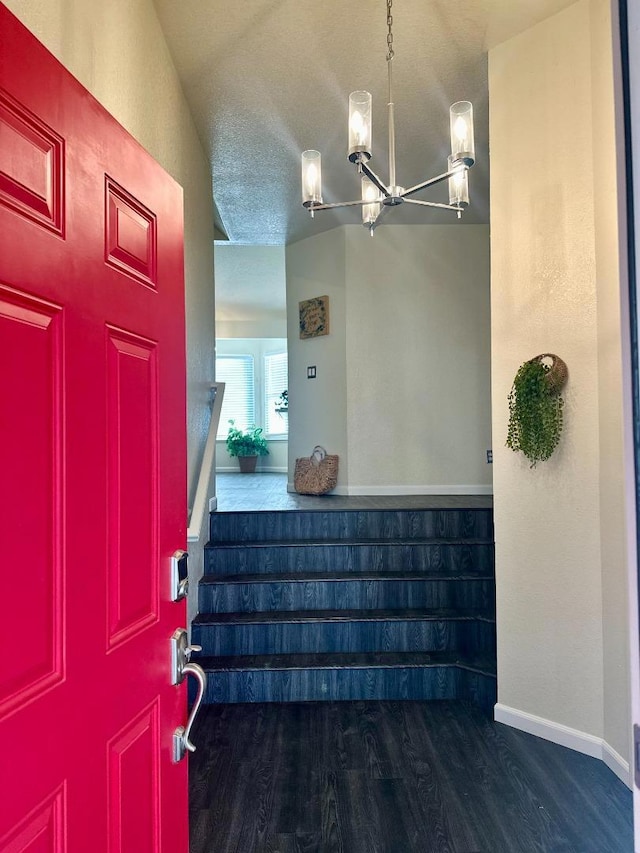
[{"x": 92, "y": 460}]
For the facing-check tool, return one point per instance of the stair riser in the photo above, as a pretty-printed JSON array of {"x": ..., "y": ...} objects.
[
  {"x": 344, "y": 595},
  {"x": 370, "y": 524},
  {"x": 393, "y": 636},
  {"x": 451, "y": 559},
  {"x": 317, "y": 685}
]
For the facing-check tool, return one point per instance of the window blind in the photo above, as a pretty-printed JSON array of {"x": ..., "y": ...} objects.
[
  {"x": 237, "y": 371},
  {"x": 275, "y": 382}
]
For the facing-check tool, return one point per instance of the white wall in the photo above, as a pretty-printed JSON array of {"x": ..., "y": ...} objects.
[
  {"x": 118, "y": 52},
  {"x": 609, "y": 280},
  {"x": 418, "y": 358},
  {"x": 250, "y": 291},
  {"x": 276, "y": 461},
  {"x": 560, "y": 561},
  {"x": 403, "y": 380},
  {"x": 318, "y": 407}
]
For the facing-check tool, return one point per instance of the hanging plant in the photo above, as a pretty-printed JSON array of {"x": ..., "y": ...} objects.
[{"x": 535, "y": 408}]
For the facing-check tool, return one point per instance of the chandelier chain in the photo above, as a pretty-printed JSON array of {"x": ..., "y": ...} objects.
[{"x": 390, "y": 52}]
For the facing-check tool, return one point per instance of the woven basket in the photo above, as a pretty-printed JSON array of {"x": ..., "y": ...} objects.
[
  {"x": 316, "y": 474},
  {"x": 558, "y": 372}
]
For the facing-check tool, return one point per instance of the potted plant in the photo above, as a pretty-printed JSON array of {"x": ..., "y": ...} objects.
[
  {"x": 535, "y": 408},
  {"x": 247, "y": 445},
  {"x": 282, "y": 403}
]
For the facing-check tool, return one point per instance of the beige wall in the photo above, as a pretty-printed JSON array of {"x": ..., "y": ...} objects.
[
  {"x": 250, "y": 291},
  {"x": 318, "y": 407},
  {"x": 118, "y": 52},
  {"x": 403, "y": 387},
  {"x": 560, "y": 561},
  {"x": 269, "y": 325},
  {"x": 608, "y": 202},
  {"x": 418, "y": 358}
]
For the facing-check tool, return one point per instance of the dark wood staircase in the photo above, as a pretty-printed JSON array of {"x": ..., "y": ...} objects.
[{"x": 312, "y": 605}]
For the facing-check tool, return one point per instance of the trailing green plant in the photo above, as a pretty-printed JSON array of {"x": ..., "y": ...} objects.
[
  {"x": 535, "y": 413},
  {"x": 249, "y": 442}
]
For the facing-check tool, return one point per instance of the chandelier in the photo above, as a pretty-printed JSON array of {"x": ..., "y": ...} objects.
[{"x": 378, "y": 198}]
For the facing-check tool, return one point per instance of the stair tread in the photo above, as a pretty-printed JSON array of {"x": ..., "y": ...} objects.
[
  {"x": 297, "y": 577},
  {"x": 336, "y": 541},
  {"x": 346, "y": 660},
  {"x": 391, "y": 503},
  {"x": 305, "y": 616}
]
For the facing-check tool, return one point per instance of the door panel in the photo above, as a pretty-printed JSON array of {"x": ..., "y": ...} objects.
[
  {"x": 30, "y": 332},
  {"x": 31, "y": 166},
  {"x": 92, "y": 454},
  {"x": 134, "y": 785},
  {"x": 42, "y": 831},
  {"x": 132, "y": 424}
]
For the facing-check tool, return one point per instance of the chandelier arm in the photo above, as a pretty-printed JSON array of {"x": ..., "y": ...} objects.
[
  {"x": 433, "y": 204},
  {"x": 316, "y": 206},
  {"x": 375, "y": 180},
  {"x": 431, "y": 182},
  {"x": 383, "y": 212}
]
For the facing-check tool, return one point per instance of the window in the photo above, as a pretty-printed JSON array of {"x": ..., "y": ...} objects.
[
  {"x": 239, "y": 394},
  {"x": 255, "y": 373},
  {"x": 275, "y": 382}
]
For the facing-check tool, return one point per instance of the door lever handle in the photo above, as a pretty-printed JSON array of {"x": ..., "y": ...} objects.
[{"x": 181, "y": 736}]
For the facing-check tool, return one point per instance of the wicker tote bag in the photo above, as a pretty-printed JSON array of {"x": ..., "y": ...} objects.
[{"x": 316, "y": 474}]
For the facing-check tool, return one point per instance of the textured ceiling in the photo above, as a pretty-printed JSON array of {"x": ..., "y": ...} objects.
[{"x": 267, "y": 79}]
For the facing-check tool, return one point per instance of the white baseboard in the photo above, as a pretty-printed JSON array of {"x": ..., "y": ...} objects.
[
  {"x": 266, "y": 469},
  {"x": 616, "y": 762},
  {"x": 563, "y": 735},
  {"x": 421, "y": 490}
]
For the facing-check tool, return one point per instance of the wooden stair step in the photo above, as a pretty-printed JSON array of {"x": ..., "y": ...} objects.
[
  {"x": 324, "y": 576},
  {"x": 346, "y": 660},
  {"x": 338, "y": 677},
  {"x": 352, "y": 541},
  {"x": 310, "y": 616},
  {"x": 304, "y": 524}
]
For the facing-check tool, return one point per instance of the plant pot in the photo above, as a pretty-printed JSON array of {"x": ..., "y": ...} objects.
[{"x": 247, "y": 464}]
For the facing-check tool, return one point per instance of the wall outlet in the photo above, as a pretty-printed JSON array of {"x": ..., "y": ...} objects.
[
  {"x": 311, "y": 372},
  {"x": 489, "y": 457}
]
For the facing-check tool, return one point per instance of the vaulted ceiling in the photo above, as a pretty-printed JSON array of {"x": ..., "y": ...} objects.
[{"x": 267, "y": 79}]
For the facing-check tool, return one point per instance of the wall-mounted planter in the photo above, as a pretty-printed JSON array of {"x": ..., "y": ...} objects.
[{"x": 535, "y": 407}]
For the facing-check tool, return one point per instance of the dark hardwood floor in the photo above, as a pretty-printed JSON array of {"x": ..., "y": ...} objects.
[{"x": 398, "y": 777}]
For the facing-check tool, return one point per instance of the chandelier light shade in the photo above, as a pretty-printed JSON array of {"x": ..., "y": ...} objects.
[
  {"x": 359, "y": 126},
  {"x": 371, "y": 195},
  {"x": 458, "y": 183},
  {"x": 377, "y": 197},
  {"x": 311, "y": 178},
  {"x": 461, "y": 120}
]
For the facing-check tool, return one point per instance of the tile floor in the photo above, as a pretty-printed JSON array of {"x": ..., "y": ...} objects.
[{"x": 266, "y": 491}]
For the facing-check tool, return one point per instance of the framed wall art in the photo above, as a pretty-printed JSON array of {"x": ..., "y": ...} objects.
[{"x": 314, "y": 317}]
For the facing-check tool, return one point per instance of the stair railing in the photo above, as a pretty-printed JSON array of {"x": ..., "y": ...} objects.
[{"x": 208, "y": 460}]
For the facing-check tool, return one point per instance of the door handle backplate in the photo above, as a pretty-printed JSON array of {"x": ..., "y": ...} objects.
[{"x": 181, "y": 667}]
